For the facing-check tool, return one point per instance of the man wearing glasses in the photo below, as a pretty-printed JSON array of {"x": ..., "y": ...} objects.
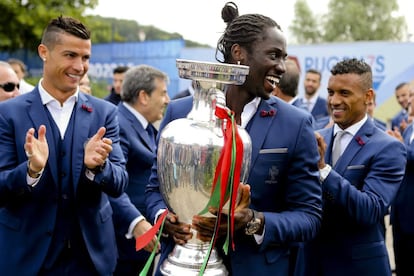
[{"x": 9, "y": 82}]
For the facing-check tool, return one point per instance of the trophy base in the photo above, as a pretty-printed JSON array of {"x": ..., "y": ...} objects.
[{"x": 188, "y": 260}]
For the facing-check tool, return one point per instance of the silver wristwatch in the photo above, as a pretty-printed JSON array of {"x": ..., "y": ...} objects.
[{"x": 253, "y": 225}]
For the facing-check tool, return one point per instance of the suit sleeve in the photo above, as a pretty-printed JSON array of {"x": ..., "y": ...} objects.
[
  {"x": 124, "y": 212},
  {"x": 154, "y": 201},
  {"x": 366, "y": 198},
  {"x": 13, "y": 167},
  {"x": 153, "y": 198},
  {"x": 114, "y": 178}
]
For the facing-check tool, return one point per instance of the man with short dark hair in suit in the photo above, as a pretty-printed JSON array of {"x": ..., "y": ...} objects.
[
  {"x": 402, "y": 94},
  {"x": 402, "y": 214},
  {"x": 117, "y": 78},
  {"x": 144, "y": 99},
  {"x": 311, "y": 101},
  {"x": 61, "y": 159},
  {"x": 361, "y": 168}
]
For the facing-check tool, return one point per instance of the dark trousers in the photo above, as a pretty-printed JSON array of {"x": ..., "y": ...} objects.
[
  {"x": 71, "y": 262},
  {"x": 403, "y": 249},
  {"x": 130, "y": 268}
]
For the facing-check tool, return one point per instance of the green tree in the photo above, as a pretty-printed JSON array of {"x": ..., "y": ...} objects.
[
  {"x": 22, "y": 21},
  {"x": 305, "y": 26},
  {"x": 357, "y": 20},
  {"x": 349, "y": 20}
]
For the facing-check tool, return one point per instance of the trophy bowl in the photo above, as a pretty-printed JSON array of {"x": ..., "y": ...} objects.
[{"x": 188, "y": 152}]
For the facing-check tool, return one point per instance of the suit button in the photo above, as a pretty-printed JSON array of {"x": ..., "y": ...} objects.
[
  {"x": 62, "y": 174},
  {"x": 65, "y": 196},
  {"x": 49, "y": 232}
]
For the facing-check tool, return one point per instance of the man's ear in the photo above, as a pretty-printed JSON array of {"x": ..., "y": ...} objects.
[
  {"x": 238, "y": 53},
  {"x": 369, "y": 96},
  {"x": 143, "y": 97},
  {"x": 42, "y": 51}
]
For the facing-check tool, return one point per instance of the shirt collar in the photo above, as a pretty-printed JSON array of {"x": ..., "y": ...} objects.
[
  {"x": 312, "y": 99},
  {"x": 137, "y": 115},
  {"x": 46, "y": 98},
  {"x": 352, "y": 129},
  {"x": 249, "y": 110}
]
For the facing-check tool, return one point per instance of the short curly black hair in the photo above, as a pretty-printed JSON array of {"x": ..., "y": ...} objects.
[{"x": 354, "y": 66}]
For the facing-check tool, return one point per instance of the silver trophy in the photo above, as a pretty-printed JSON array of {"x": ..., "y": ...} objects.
[{"x": 188, "y": 152}]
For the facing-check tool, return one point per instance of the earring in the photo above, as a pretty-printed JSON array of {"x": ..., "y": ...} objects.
[{"x": 44, "y": 59}]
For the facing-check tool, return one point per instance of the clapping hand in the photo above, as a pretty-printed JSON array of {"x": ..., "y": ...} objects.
[
  {"x": 97, "y": 150},
  {"x": 37, "y": 150}
]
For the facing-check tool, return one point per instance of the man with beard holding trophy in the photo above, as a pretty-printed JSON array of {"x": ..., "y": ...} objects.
[{"x": 281, "y": 204}]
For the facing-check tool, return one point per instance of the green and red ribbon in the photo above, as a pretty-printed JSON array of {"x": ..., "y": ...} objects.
[
  {"x": 145, "y": 238},
  {"x": 226, "y": 179}
]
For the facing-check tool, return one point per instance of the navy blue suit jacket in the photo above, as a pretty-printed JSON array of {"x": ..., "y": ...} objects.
[
  {"x": 284, "y": 186},
  {"x": 139, "y": 155},
  {"x": 397, "y": 119},
  {"x": 357, "y": 195},
  {"x": 320, "y": 109},
  {"x": 402, "y": 212},
  {"x": 380, "y": 124},
  {"x": 28, "y": 215},
  {"x": 182, "y": 94}
]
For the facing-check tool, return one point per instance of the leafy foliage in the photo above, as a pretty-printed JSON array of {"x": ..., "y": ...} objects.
[
  {"x": 349, "y": 20},
  {"x": 22, "y": 23},
  {"x": 305, "y": 25}
]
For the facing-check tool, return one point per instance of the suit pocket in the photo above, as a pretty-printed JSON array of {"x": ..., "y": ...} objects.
[
  {"x": 9, "y": 220},
  {"x": 105, "y": 212},
  {"x": 277, "y": 150},
  {"x": 355, "y": 167}
]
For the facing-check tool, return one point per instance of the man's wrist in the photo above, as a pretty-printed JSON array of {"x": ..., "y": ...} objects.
[
  {"x": 324, "y": 172},
  {"x": 32, "y": 173},
  {"x": 98, "y": 169}
]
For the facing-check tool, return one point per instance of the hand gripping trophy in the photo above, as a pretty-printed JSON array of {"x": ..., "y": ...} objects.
[{"x": 198, "y": 154}]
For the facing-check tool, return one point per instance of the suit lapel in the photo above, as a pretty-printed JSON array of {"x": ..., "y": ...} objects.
[
  {"x": 328, "y": 137},
  {"x": 407, "y": 134},
  {"x": 38, "y": 114},
  {"x": 83, "y": 119},
  {"x": 136, "y": 125},
  {"x": 356, "y": 144},
  {"x": 258, "y": 127}
]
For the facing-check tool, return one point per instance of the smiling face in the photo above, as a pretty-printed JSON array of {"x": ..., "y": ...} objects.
[
  {"x": 312, "y": 83},
  {"x": 267, "y": 63},
  {"x": 64, "y": 65},
  {"x": 157, "y": 101},
  {"x": 402, "y": 95},
  {"x": 348, "y": 99}
]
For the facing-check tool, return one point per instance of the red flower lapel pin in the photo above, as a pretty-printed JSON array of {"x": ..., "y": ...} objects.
[
  {"x": 360, "y": 141},
  {"x": 267, "y": 113},
  {"x": 87, "y": 108}
]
